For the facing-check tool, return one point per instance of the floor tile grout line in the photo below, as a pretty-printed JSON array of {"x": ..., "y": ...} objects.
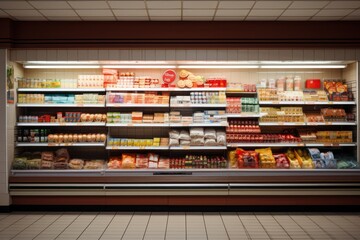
[
  {"x": 339, "y": 227},
  {"x": 246, "y": 231},
  {"x": 147, "y": 224},
  {"x": 207, "y": 236},
  {"x": 14, "y": 223},
  {"x": 62, "y": 214},
  {"x": 68, "y": 226},
  {"x": 271, "y": 214},
  {"x": 28, "y": 226},
  {"x": 167, "y": 222},
  {"x": 108, "y": 225},
  {"x": 227, "y": 233},
  {"x": 302, "y": 228},
  {"x": 256, "y": 216},
  {"x": 331, "y": 237},
  {"x": 122, "y": 236},
  {"x": 88, "y": 225}
]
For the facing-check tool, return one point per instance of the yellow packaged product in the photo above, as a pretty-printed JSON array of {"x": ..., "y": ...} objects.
[
  {"x": 233, "y": 163},
  {"x": 267, "y": 159},
  {"x": 294, "y": 163},
  {"x": 304, "y": 158}
]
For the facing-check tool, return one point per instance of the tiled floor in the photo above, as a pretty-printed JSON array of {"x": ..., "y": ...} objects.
[{"x": 178, "y": 225}]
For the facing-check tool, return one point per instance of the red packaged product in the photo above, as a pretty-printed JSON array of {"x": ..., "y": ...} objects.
[
  {"x": 313, "y": 83},
  {"x": 247, "y": 159},
  {"x": 281, "y": 161}
]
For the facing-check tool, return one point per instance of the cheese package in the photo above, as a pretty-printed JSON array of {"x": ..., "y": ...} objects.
[{"x": 267, "y": 159}]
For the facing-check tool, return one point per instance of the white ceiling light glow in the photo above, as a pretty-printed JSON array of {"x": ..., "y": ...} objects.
[
  {"x": 218, "y": 66},
  {"x": 61, "y": 66},
  {"x": 302, "y": 66},
  {"x": 139, "y": 66}
]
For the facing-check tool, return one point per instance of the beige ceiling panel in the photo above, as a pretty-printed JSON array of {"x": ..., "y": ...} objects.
[
  {"x": 58, "y": 13},
  {"x": 333, "y": 13},
  {"x": 15, "y": 5},
  {"x": 130, "y": 13},
  {"x": 127, "y": 4},
  {"x": 271, "y": 4},
  {"x": 50, "y": 4},
  {"x": 299, "y": 13},
  {"x": 163, "y": 4},
  {"x": 23, "y": 13},
  {"x": 266, "y": 13},
  {"x": 309, "y": 4},
  {"x": 200, "y": 4},
  {"x": 343, "y": 4},
  {"x": 165, "y": 13},
  {"x": 89, "y": 4},
  {"x": 94, "y": 13},
  {"x": 198, "y": 13},
  {"x": 236, "y": 4},
  {"x": 231, "y": 13}
]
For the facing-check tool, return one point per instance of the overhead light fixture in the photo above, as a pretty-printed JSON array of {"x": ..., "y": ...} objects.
[
  {"x": 61, "y": 66},
  {"x": 302, "y": 66},
  {"x": 139, "y": 66},
  {"x": 219, "y": 66},
  {"x": 299, "y": 62},
  {"x": 62, "y": 62}
]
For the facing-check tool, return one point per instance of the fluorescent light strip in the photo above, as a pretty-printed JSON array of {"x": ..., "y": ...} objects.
[
  {"x": 302, "y": 66},
  {"x": 61, "y": 66},
  {"x": 218, "y": 66},
  {"x": 139, "y": 66}
]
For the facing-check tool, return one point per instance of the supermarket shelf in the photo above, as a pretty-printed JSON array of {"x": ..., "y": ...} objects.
[
  {"x": 266, "y": 145},
  {"x": 196, "y": 89},
  {"x": 137, "y": 124},
  {"x": 57, "y": 173},
  {"x": 330, "y": 144},
  {"x": 241, "y": 115},
  {"x": 109, "y": 89},
  {"x": 282, "y": 124},
  {"x": 306, "y": 103},
  {"x": 135, "y": 105},
  {"x": 224, "y": 124},
  {"x": 50, "y": 124},
  {"x": 61, "y": 90},
  {"x": 137, "y": 148},
  {"x": 60, "y": 144},
  {"x": 198, "y": 105},
  {"x": 58, "y": 105},
  {"x": 237, "y": 91},
  {"x": 306, "y": 124},
  {"x": 198, "y": 148}
]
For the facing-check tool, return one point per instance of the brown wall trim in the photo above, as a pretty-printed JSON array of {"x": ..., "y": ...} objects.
[
  {"x": 190, "y": 200},
  {"x": 35, "y": 34}
]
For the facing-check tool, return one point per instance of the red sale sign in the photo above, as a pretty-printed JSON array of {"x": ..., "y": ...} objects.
[{"x": 169, "y": 76}]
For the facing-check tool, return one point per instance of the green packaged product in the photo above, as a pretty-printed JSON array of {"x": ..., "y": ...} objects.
[{"x": 19, "y": 163}]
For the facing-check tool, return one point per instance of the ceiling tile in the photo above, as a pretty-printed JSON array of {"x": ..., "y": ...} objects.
[
  {"x": 233, "y": 12},
  {"x": 30, "y": 18},
  {"x": 343, "y": 4},
  {"x": 351, "y": 18},
  {"x": 3, "y": 14},
  {"x": 93, "y": 13},
  {"x": 217, "y": 18},
  {"x": 198, "y": 13},
  {"x": 165, "y": 18},
  {"x": 265, "y": 13},
  {"x": 131, "y": 13},
  {"x": 261, "y": 18},
  {"x": 200, "y": 4},
  {"x": 299, "y": 13},
  {"x": 236, "y": 4},
  {"x": 127, "y": 4},
  {"x": 58, "y": 13},
  {"x": 334, "y": 13},
  {"x": 271, "y": 4},
  {"x": 163, "y": 4},
  {"x": 308, "y": 4},
  {"x": 23, "y": 13},
  {"x": 63, "y": 18},
  {"x": 50, "y": 4},
  {"x": 282, "y": 18},
  {"x": 89, "y": 4},
  {"x": 325, "y": 18},
  {"x": 197, "y": 18},
  {"x": 355, "y": 13},
  {"x": 97, "y": 18},
  {"x": 15, "y": 5},
  {"x": 122, "y": 18},
  {"x": 164, "y": 13}
]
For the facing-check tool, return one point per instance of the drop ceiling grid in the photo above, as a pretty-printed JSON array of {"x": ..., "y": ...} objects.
[{"x": 157, "y": 10}]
